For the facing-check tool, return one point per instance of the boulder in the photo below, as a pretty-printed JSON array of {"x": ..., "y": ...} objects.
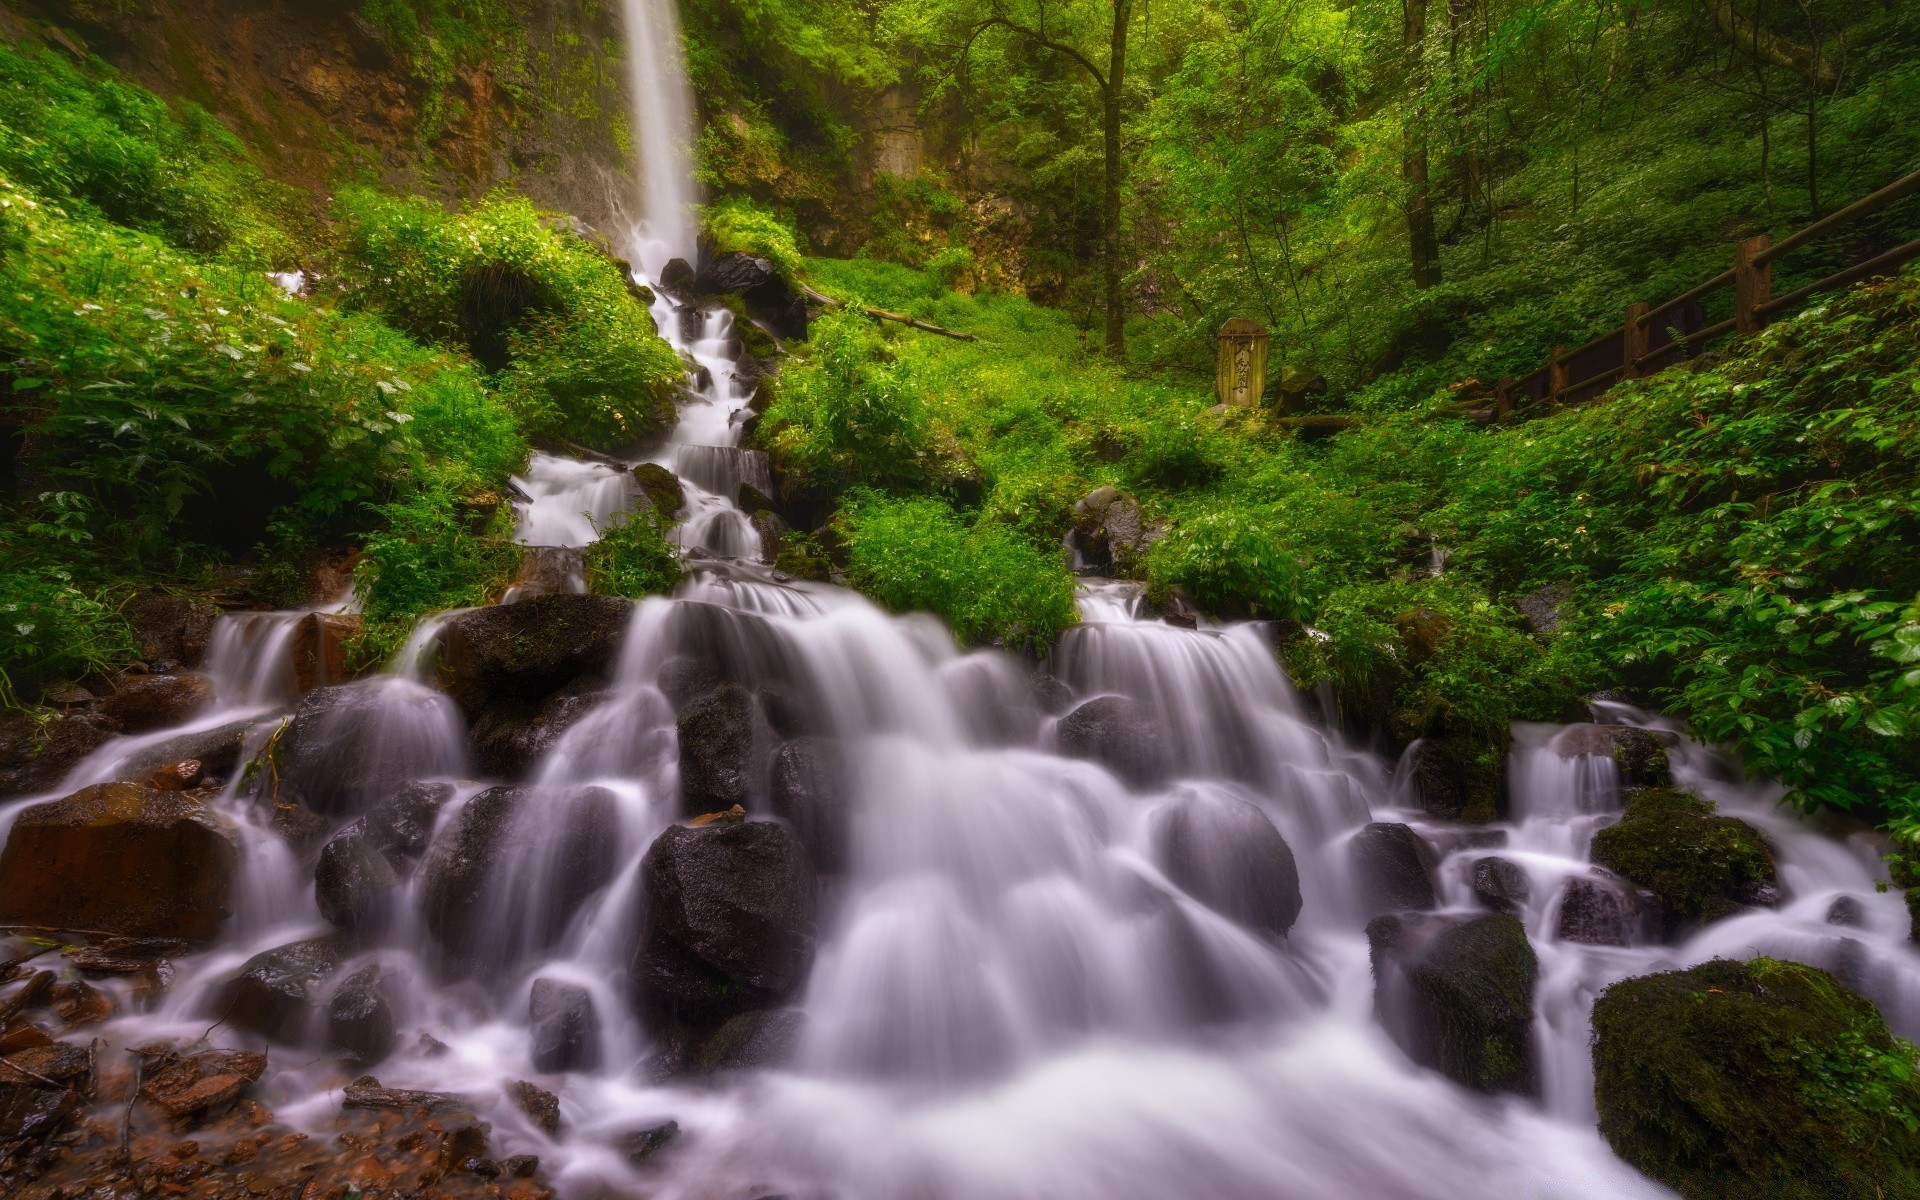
[
  {"x": 1457, "y": 779},
  {"x": 465, "y": 868},
  {"x": 1393, "y": 869},
  {"x": 355, "y": 886},
  {"x": 662, "y": 489},
  {"x": 1599, "y": 912},
  {"x": 360, "y": 1020},
  {"x": 35, "y": 757},
  {"x": 275, "y": 993},
  {"x": 716, "y": 750},
  {"x": 183, "y": 1085},
  {"x": 734, "y": 273},
  {"x": 1052, "y": 696},
  {"x": 1456, "y": 992},
  {"x": 121, "y": 858},
  {"x": 1120, "y": 734},
  {"x": 148, "y": 702},
  {"x": 564, "y": 1027},
  {"x": 727, "y": 920},
  {"x": 347, "y": 744},
  {"x": 684, "y": 679},
  {"x": 217, "y": 750},
  {"x": 512, "y": 734},
  {"x": 541, "y": 1106},
  {"x": 171, "y": 628},
  {"x": 808, "y": 792},
  {"x": 1700, "y": 865},
  {"x": 320, "y": 649},
  {"x": 676, "y": 278},
  {"x": 1227, "y": 854},
  {"x": 1500, "y": 884},
  {"x": 787, "y": 715},
  {"x": 772, "y": 529},
  {"x": 751, "y": 1041},
  {"x": 1642, "y": 759},
  {"x": 1111, "y": 531},
  {"x": 528, "y": 650},
  {"x": 1732, "y": 1080},
  {"x": 640, "y": 1145}
]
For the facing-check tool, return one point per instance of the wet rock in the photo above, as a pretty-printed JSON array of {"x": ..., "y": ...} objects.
[
  {"x": 1393, "y": 869},
  {"x": 642, "y": 1144},
  {"x": 171, "y": 628},
  {"x": 752, "y": 1041},
  {"x": 1111, "y": 531},
  {"x": 786, "y": 714},
  {"x": 1544, "y": 610},
  {"x": 1716, "y": 1081},
  {"x": 217, "y": 751},
  {"x": 512, "y": 734},
  {"x": 347, "y": 744},
  {"x": 564, "y": 1027},
  {"x": 1120, "y": 734},
  {"x": 528, "y": 650},
  {"x": 121, "y": 858},
  {"x": 1701, "y": 866},
  {"x": 402, "y": 823},
  {"x": 1052, "y": 696},
  {"x": 684, "y": 679},
  {"x": 1457, "y": 779},
  {"x": 1456, "y": 993},
  {"x": 727, "y": 920},
  {"x": 34, "y": 758},
  {"x": 772, "y": 529},
  {"x": 354, "y": 884},
  {"x": 716, "y": 750},
  {"x": 360, "y": 1020},
  {"x": 366, "y": 1092},
  {"x": 661, "y": 487},
  {"x": 463, "y": 871},
  {"x": 1847, "y": 911},
  {"x": 178, "y": 777},
  {"x": 147, "y": 702},
  {"x": 1599, "y": 912},
  {"x": 30, "y": 1111},
  {"x": 319, "y": 649},
  {"x": 808, "y": 792},
  {"x": 276, "y": 992},
  {"x": 734, "y": 272},
  {"x": 1500, "y": 884},
  {"x": 125, "y": 956},
  {"x": 520, "y": 1166},
  {"x": 1642, "y": 759},
  {"x": 541, "y": 1106},
  {"x": 60, "y": 1062},
  {"x": 1226, "y": 853},
  {"x": 182, "y": 1085},
  {"x": 676, "y": 278}
]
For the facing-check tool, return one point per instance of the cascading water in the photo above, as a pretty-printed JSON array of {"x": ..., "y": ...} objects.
[
  {"x": 1036, "y": 976},
  {"x": 662, "y": 117}
]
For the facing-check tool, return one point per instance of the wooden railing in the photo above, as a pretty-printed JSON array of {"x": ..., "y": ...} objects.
[{"x": 1656, "y": 336}]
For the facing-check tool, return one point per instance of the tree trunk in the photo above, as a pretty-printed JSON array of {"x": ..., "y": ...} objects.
[
  {"x": 1110, "y": 251},
  {"x": 1423, "y": 243}
]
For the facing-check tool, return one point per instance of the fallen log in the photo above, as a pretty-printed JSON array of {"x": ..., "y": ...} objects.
[{"x": 881, "y": 314}]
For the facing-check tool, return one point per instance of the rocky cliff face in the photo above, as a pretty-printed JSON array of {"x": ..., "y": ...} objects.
[{"x": 321, "y": 93}]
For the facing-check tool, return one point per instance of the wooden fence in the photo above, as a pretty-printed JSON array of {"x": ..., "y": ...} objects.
[{"x": 1655, "y": 336}]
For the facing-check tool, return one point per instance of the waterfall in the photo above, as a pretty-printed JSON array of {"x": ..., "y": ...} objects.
[{"x": 663, "y": 130}]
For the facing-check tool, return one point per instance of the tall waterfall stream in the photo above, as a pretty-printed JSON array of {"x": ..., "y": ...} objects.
[{"x": 1017, "y": 994}]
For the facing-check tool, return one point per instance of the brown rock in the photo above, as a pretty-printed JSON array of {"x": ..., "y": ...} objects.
[
  {"x": 171, "y": 627},
  {"x": 320, "y": 649},
  {"x": 119, "y": 858},
  {"x": 366, "y": 1092},
  {"x": 178, "y": 777},
  {"x": 147, "y": 702},
  {"x": 192, "y": 1084},
  {"x": 541, "y": 1106},
  {"x": 34, "y": 758}
]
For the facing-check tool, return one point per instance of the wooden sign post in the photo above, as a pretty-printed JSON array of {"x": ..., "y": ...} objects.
[{"x": 1241, "y": 377}]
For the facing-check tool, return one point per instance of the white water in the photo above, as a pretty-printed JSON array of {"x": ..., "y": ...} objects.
[{"x": 662, "y": 120}]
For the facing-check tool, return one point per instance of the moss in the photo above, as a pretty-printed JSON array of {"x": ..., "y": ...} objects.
[
  {"x": 802, "y": 556},
  {"x": 1458, "y": 778},
  {"x": 1641, "y": 759},
  {"x": 1703, "y": 866},
  {"x": 1756, "y": 1079},
  {"x": 1471, "y": 982}
]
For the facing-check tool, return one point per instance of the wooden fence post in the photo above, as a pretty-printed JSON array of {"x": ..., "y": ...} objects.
[
  {"x": 1752, "y": 284},
  {"x": 1635, "y": 338},
  {"x": 1557, "y": 373},
  {"x": 1503, "y": 398}
]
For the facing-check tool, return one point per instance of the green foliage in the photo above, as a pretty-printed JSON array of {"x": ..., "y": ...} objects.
[
  {"x": 53, "y": 630},
  {"x": 103, "y": 148},
  {"x": 633, "y": 557},
  {"x": 1223, "y": 560},
  {"x": 436, "y": 38},
  {"x": 987, "y": 583},
  {"x": 575, "y": 356},
  {"x": 1702, "y": 866},
  {"x": 431, "y": 554},
  {"x": 849, "y": 414},
  {"x": 1763, "y": 1078},
  {"x": 738, "y": 224}
]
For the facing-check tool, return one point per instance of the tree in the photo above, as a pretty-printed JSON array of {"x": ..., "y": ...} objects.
[{"x": 1423, "y": 243}]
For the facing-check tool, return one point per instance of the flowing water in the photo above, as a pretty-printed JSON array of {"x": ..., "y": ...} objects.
[{"x": 1020, "y": 991}]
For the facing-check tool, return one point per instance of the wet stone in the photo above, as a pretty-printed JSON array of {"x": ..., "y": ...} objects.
[
  {"x": 180, "y": 1085},
  {"x": 716, "y": 750},
  {"x": 541, "y": 1106},
  {"x": 808, "y": 792},
  {"x": 565, "y": 1028},
  {"x": 150, "y": 702},
  {"x": 1393, "y": 868},
  {"x": 1599, "y": 912},
  {"x": 1848, "y": 911},
  {"x": 1226, "y": 853},
  {"x": 642, "y": 1145},
  {"x": 1120, "y": 734},
  {"x": 1456, "y": 993},
  {"x": 275, "y": 992},
  {"x": 360, "y": 1020},
  {"x": 354, "y": 884},
  {"x": 1500, "y": 884}
]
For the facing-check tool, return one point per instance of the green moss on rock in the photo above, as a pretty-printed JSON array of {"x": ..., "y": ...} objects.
[
  {"x": 1457, "y": 993},
  {"x": 1703, "y": 866},
  {"x": 1756, "y": 1079}
]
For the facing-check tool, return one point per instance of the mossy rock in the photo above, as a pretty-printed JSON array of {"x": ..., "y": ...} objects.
[
  {"x": 1756, "y": 1079},
  {"x": 1458, "y": 778},
  {"x": 1456, "y": 992},
  {"x": 1701, "y": 865},
  {"x": 1641, "y": 759}
]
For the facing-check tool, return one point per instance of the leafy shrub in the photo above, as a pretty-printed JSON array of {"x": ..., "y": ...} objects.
[
  {"x": 849, "y": 414},
  {"x": 52, "y": 630},
  {"x": 573, "y": 353},
  {"x": 738, "y": 224},
  {"x": 1225, "y": 560},
  {"x": 429, "y": 557},
  {"x": 989, "y": 584},
  {"x": 633, "y": 557}
]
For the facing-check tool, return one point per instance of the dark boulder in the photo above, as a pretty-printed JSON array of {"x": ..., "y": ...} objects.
[
  {"x": 402, "y": 823},
  {"x": 772, "y": 529},
  {"x": 662, "y": 489},
  {"x": 147, "y": 702},
  {"x": 727, "y": 920},
  {"x": 1642, "y": 759},
  {"x": 684, "y": 679},
  {"x": 528, "y": 650},
  {"x": 1120, "y": 734},
  {"x": 355, "y": 885},
  {"x": 1457, "y": 779},
  {"x": 564, "y": 1027},
  {"x": 808, "y": 792},
  {"x": 347, "y": 744},
  {"x": 716, "y": 750},
  {"x": 275, "y": 992},
  {"x": 121, "y": 858},
  {"x": 35, "y": 757},
  {"x": 676, "y": 278},
  {"x": 360, "y": 1020},
  {"x": 751, "y": 1041},
  {"x": 1700, "y": 865},
  {"x": 1052, "y": 696},
  {"x": 640, "y": 1145},
  {"x": 1456, "y": 993},
  {"x": 171, "y": 628},
  {"x": 1500, "y": 884},
  {"x": 541, "y": 1106},
  {"x": 1227, "y": 854},
  {"x": 1747, "y": 1079},
  {"x": 1393, "y": 869},
  {"x": 1111, "y": 531},
  {"x": 1599, "y": 912},
  {"x": 217, "y": 750},
  {"x": 733, "y": 273},
  {"x": 510, "y": 737}
]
